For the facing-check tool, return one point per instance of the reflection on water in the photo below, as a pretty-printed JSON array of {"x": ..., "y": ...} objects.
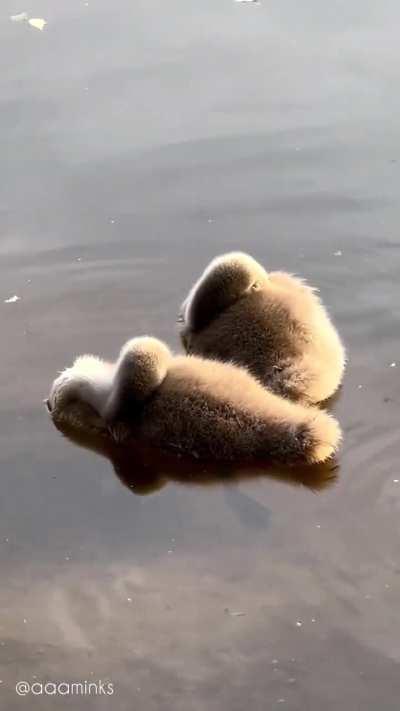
[
  {"x": 138, "y": 141},
  {"x": 145, "y": 470}
]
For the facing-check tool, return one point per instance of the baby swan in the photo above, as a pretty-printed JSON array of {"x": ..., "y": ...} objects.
[
  {"x": 272, "y": 323},
  {"x": 197, "y": 407}
]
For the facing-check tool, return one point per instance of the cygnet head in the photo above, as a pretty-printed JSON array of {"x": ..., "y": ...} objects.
[
  {"x": 93, "y": 394},
  {"x": 226, "y": 279},
  {"x": 79, "y": 394},
  {"x": 89, "y": 380},
  {"x": 141, "y": 367}
]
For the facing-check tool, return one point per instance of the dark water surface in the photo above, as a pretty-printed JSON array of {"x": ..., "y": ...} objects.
[{"x": 139, "y": 139}]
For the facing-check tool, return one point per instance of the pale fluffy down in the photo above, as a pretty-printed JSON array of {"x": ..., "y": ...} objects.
[
  {"x": 272, "y": 323},
  {"x": 206, "y": 409}
]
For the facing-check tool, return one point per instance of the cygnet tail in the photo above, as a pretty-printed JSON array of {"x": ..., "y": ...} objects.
[{"x": 319, "y": 436}]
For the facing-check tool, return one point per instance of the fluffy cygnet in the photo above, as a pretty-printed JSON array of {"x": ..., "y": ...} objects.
[
  {"x": 272, "y": 323},
  {"x": 207, "y": 409}
]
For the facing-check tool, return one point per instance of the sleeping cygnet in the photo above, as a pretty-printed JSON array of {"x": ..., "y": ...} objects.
[
  {"x": 272, "y": 323},
  {"x": 206, "y": 409}
]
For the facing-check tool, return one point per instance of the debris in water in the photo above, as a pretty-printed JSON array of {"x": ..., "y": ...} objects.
[
  {"x": 12, "y": 299},
  {"x": 37, "y": 22},
  {"x": 20, "y": 17},
  {"x": 232, "y": 613},
  {"x": 338, "y": 253}
]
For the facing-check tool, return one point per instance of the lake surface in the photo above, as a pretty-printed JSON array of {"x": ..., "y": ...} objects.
[{"x": 139, "y": 139}]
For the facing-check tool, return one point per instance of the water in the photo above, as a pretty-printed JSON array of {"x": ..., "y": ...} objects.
[{"x": 139, "y": 140}]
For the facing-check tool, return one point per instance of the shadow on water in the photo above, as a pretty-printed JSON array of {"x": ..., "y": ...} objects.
[{"x": 145, "y": 470}]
